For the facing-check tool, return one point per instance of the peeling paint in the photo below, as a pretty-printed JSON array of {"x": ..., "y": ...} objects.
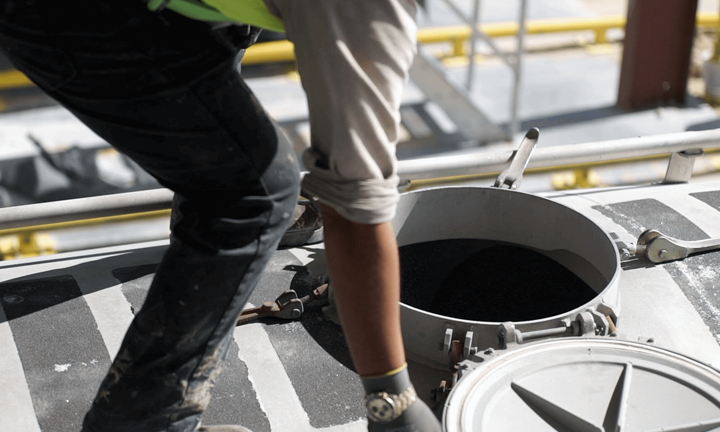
[{"x": 62, "y": 367}]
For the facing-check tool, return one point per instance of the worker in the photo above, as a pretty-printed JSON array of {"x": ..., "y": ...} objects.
[{"x": 159, "y": 81}]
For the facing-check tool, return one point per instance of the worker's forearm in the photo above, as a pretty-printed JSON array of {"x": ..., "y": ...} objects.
[{"x": 364, "y": 270}]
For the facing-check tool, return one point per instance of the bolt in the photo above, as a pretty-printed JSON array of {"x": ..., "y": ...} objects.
[
  {"x": 296, "y": 313},
  {"x": 663, "y": 253}
]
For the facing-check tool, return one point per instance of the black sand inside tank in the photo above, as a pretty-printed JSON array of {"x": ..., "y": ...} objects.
[{"x": 481, "y": 280}]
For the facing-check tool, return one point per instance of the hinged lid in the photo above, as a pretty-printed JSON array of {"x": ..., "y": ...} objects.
[{"x": 586, "y": 384}]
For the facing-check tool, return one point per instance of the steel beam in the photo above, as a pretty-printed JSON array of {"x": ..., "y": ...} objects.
[{"x": 656, "y": 57}]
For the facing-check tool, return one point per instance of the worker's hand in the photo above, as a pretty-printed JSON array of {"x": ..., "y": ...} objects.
[
  {"x": 417, "y": 418},
  {"x": 395, "y": 390}
]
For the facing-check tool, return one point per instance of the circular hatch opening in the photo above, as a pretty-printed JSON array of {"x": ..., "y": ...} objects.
[{"x": 482, "y": 280}]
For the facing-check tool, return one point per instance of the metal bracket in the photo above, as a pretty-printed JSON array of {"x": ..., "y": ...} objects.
[
  {"x": 626, "y": 250},
  {"x": 446, "y": 345},
  {"x": 680, "y": 167},
  {"x": 468, "y": 349},
  {"x": 660, "y": 248},
  {"x": 586, "y": 324},
  {"x": 610, "y": 313},
  {"x": 506, "y": 336},
  {"x": 454, "y": 350},
  {"x": 602, "y": 325},
  {"x": 512, "y": 176}
]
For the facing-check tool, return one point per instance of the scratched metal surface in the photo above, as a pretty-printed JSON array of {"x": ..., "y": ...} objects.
[{"x": 63, "y": 317}]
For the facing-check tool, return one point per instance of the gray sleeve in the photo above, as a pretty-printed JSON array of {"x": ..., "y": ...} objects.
[{"x": 353, "y": 57}]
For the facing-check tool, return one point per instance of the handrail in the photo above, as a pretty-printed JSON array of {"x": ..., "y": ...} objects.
[
  {"x": 22, "y": 217},
  {"x": 84, "y": 208},
  {"x": 559, "y": 156}
]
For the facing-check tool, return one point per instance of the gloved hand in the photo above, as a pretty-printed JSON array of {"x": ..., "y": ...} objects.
[{"x": 416, "y": 416}]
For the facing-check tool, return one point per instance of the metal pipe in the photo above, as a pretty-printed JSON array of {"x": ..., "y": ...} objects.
[
  {"x": 517, "y": 72},
  {"x": 523, "y": 337},
  {"x": 85, "y": 208},
  {"x": 416, "y": 169},
  {"x": 473, "y": 45},
  {"x": 120, "y": 219},
  {"x": 481, "y": 163}
]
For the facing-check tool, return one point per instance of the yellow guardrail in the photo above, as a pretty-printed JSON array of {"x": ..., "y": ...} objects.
[
  {"x": 282, "y": 51},
  {"x": 34, "y": 240},
  {"x": 458, "y": 36},
  {"x": 13, "y": 79}
]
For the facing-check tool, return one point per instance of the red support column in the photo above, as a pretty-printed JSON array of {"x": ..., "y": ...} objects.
[{"x": 656, "y": 57}]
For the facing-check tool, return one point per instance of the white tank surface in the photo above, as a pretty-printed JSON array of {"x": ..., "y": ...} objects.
[{"x": 62, "y": 317}]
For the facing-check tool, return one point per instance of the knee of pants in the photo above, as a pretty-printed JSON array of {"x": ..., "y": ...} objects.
[
  {"x": 282, "y": 180},
  {"x": 239, "y": 218}
]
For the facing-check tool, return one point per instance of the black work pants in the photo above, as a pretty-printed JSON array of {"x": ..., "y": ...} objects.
[{"x": 165, "y": 91}]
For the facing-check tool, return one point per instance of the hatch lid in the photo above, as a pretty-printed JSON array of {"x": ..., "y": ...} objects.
[{"x": 586, "y": 385}]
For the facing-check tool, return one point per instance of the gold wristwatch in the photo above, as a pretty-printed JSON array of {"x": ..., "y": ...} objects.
[{"x": 384, "y": 407}]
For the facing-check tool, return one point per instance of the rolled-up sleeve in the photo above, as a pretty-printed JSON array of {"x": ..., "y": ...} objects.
[{"x": 353, "y": 57}]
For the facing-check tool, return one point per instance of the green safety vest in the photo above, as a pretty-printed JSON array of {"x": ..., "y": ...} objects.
[{"x": 253, "y": 12}]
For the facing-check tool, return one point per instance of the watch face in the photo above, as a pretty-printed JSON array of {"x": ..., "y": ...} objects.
[{"x": 381, "y": 409}]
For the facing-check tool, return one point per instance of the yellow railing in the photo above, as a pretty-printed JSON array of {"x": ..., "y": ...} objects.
[
  {"x": 459, "y": 35},
  {"x": 13, "y": 79},
  {"x": 35, "y": 240},
  {"x": 282, "y": 51}
]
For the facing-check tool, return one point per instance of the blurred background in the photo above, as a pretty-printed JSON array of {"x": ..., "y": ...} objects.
[{"x": 579, "y": 70}]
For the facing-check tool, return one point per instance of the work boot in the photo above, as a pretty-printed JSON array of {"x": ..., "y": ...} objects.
[
  {"x": 306, "y": 227},
  {"x": 223, "y": 428}
]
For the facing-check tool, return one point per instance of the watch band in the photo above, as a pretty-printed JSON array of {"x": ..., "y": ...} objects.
[
  {"x": 391, "y": 407},
  {"x": 405, "y": 399}
]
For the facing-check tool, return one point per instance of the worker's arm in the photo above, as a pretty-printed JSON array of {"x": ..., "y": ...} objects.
[
  {"x": 364, "y": 270},
  {"x": 354, "y": 58}
]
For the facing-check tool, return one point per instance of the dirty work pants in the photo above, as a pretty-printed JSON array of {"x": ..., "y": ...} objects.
[{"x": 164, "y": 90}]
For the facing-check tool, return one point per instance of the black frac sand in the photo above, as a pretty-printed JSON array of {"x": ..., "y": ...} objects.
[{"x": 480, "y": 280}]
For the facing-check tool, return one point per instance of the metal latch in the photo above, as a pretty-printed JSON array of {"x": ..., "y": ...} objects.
[
  {"x": 660, "y": 248},
  {"x": 286, "y": 306}
]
